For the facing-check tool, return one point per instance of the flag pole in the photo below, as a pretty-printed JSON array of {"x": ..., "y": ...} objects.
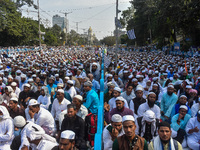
[{"x": 116, "y": 31}]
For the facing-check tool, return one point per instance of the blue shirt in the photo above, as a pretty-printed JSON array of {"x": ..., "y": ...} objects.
[
  {"x": 175, "y": 110},
  {"x": 170, "y": 75},
  {"x": 92, "y": 101},
  {"x": 183, "y": 122},
  {"x": 96, "y": 86},
  {"x": 50, "y": 88}
]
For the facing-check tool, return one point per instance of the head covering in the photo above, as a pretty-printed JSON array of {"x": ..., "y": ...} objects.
[
  {"x": 10, "y": 89},
  {"x": 110, "y": 84},
  {"x": 151, "y": 93},
  {"x": 67, "y": 78},
  {"x": 1, "y": 99},
  {"x": 46, "y": 91},
  {"x": 183, "y": 96},
  {"x": 27, "y": 85},
  {"x": 79, "y": 97},
  {"x": 13, "y": 84},
  {"x": 120, "y": 98},
  {"x": 35, "y": 132},
  {"x": 70, "y": 82},
  {"x": 117, "y": 89},
  {"x": 19, "y": 121},
  {"x": 128, "y": 118},
  {"x": 5, "y": 112},
  {"x": 68, "y": 134},
  {"x": 188, "y": 86},
  {"x": 139, "y": 88},
  {"x": 170, "y": 86},
  {"x": 33, "y": 102},
  {"x": 116, "y": 118},
  {"x": 14, "y": 99},
  {"x": 134, "y": 79},
  {"x": 88, "y": 83},
  {"x": 193, "y": 91},
  {"x": 60, "y": 85},
  {"x": 61, "y": 91},
  {"x": 184, "y": 107}
]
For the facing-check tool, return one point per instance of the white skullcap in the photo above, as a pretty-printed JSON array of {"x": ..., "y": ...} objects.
[
  {"x": 128, "y": 118},
  {"x": 68, "y": 134},
  {"x": 30, "y": 80},
  {"x": 151, "y": 93},
  {"x": 139, "y": 88},
  {"x": 61, "y": 91},
  {"x": 156, "y": 72},
  {"x": 117, "y": 89},
  {"x": 188, "y": 86},
  {"x": 10, "y": 89},
  {"x": 10, "y": 77},
  {"x": 94, "y": 64},
  {"x": 165, "y": 74},
  {"x": 143, "y": 71},
  {"x": 116, "y": 118},
  {"x": 19, "y": 121},
  {"x": 70, "y": 82},
  {"x": 149, "y": 81},
  {"x": 170, "y": 86},
  {"x": 137, "y": 76},
  {"x": 171, "y": 78},
  {"x": 23, "y": 76},
  {"x": 130, "y": 76},
  {"x": 178, "y": 82},
  {"x": 34, "y": 76},
  {"x": 134, "y": 79},
  {"x": 27, "y": 85},
  {"x": 198, "y": 78},
  {"x": 184, "y": 107},
  {"x": 67, "y": 78},
  {"x": 155, "y": 84},
  {"x": 79, "y": 97},
  {"x": 33, "y": 102},
  {"x": 155, "y": 78},
  {"x": 13, "y": 84},
  {"x": 120, "y": 98},
  {"x": 110, "y": 84},
  {"x": 125, "y": 71},
  {"x": 18, "y": 71},
  {"x": 109, "y": 75},
  {"x": 14, "y": 99},
  {"x": 60, "y": 84},
  {"x": 56, "y": 75},
  {"x": 149, "y": 116},
  {"x": 183, "y": 96}
]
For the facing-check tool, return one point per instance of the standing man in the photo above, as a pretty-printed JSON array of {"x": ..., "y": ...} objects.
[
  {"x": 164, "y": 140},
  {"x": 129, "y": 141}
]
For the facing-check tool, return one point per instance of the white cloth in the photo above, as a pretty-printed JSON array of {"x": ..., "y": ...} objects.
[
  {"x": 46, "y": 145},
  {"x": 72, "y": 92},
  {"x": 43, "y": 118},
  {"x": 83, "y": 112},
  {"x": 128, "y": 98},
  {"x": 107, "y": 139},
  {"x": 112, "y": 103},
  {"x": 194, "y": 109},
  {"x": 6, "y": 130},
  {"x": 144, "y": 107},
  {"x": 44, "y": 101},
  {"x": 193, "y": 138},
  {"x": 158, "y": 145},
  {"x": 58, "y": 108},
  {"x": 132, "y": 108},
  {"x": 17, "y": 91}
]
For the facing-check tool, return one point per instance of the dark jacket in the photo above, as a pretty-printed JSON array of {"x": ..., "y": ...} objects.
[{"x": 23, "y": 95}]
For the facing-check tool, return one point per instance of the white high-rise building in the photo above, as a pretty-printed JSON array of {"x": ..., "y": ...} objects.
[{"x": 61, "y": 22}]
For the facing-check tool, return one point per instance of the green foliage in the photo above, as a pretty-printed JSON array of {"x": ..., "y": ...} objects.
[{"x": 109, "y": 40}]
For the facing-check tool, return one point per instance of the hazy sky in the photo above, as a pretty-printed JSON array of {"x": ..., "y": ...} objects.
[{"x": 99, "y": 14}]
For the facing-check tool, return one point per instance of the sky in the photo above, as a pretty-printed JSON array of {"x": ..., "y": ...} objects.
[{"x": 99, "y": 14}]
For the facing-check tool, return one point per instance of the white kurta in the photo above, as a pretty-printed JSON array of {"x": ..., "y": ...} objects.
[
  {"x": 194, "y": 109},
  {"x": 44, "y": 101},
  {"x": 6, "y": 134},
  {"x": 46, "y": 145},
  {"x": 107, "y": 139},
  {"x": 72, "y": 92},
  {"x": 193, "y": 139},
  {"x": 58, "y": 108},
  {"x": 144, "y": 107}
]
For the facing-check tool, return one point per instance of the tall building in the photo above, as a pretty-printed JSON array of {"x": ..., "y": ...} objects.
[{"x": 61, "y": 22}]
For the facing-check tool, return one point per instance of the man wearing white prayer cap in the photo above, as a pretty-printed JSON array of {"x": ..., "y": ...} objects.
[
  {"x": 67, "y": 141},
  {"x": 38, "y": 139},
  {"x": 129, "y": 140},
  {"x": 146, "y": 125},
  {"x": 16, "y": 90},
  {"x": 149, "y": 105},
  {"x": 40, "y": 116},
  {"x": 6, "y": 129},
  {"x": 112, "y": 131},
  {"x": 169, "y": 99},
  {"x": 70, "y": 88}
]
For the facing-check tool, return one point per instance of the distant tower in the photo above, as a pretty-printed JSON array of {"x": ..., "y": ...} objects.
[
  {"x": 90, "y": 37},
  {"x": 61, "y": 22}
]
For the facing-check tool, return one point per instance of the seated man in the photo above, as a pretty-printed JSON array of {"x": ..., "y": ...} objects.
[
  {"x": 76, "y": 124},
  {"x": 195, "y": 108},
  {"x": 67, "y": 141},
  {"x": 179, "y": 122},
  {"x": 6, "y": 129},
  {"x": 146, "y": 126},
  {"x": 44, "y": 99},
  {"x": 112, "y": 131},
  {"x": 120, "y": 109},
  {"x": 38, "y": 139},
  {"x": 149, "y": 105},
  {"x": 14, "y": 110},
  {"x": 192, "y": 129},
  {"x": 40, "y": 116},
  {"x": 164, "y": 140}
]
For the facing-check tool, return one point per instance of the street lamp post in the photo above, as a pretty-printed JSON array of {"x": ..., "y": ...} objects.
[
  {"x": 116, "y": 31},
  {"x": 39, "y": 23}
]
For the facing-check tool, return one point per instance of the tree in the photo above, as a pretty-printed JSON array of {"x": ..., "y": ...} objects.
[{"x": 109, "y": 40}]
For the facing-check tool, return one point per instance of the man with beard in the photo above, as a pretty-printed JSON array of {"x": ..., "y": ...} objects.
[
  {"x": 146, "y": 125},
  {"x": 96, "y": 85},
  {"x": 156, "y": 90},
  {"x": 76, "y": 124},
  {"x": 70, "y": 88},
  {"x": 164, "y": 140},
  {"x": 112, "y": 131},
  {"x": 149, "y": 105},
  {"x": 67, "y": 141},
  {"x": 129, "y": 141},
  {"x": 95, "y": 71},
  {"x": 109, "y": 78},
  {"x": 125, "y": 77},
  {"x": 118, "y": 81},
  {"x": 138, "y": 100},
  {"x": 168, "y": 101},
  {"x": 6, "y": 129},
  {"x": 129, "y": 94},
  {"x": 52, "y": 87}
]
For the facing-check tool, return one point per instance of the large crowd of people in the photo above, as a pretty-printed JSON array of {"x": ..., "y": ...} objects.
[{"x": 49, "y": 100}]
